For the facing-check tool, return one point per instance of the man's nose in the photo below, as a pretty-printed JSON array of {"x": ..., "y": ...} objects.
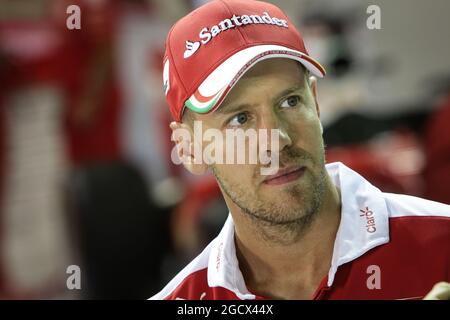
[{"x": 276, "y": 129}]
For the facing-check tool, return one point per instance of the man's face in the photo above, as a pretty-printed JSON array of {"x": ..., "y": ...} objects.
[{"x": 274, "y": 95}]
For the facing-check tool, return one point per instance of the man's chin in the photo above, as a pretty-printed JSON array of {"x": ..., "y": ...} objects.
[
  {"x": 281, "y": 212},
  {"x": 282, "y": 220}
]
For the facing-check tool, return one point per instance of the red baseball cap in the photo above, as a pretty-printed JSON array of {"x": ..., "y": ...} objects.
[{"x": 208, "y": 50}]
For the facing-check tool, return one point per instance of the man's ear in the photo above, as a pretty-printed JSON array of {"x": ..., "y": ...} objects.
[
  {"x": 183, "y": 136},
  {"x": 313, "y": 85}
]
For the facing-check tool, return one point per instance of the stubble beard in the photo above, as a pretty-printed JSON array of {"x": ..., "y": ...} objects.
[{"x": 275, "y": 223}]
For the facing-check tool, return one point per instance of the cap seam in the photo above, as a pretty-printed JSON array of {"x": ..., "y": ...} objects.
[{"x": 237, "y": 29}]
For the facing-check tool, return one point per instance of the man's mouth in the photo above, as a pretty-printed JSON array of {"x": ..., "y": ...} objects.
[{"x": 285, "y": 175}]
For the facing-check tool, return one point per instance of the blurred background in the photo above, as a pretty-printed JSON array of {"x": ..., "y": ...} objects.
[{"x": 85, "y": 172}]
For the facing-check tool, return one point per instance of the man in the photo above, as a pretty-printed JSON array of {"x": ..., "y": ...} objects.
[{"x": 307, "y": 230}]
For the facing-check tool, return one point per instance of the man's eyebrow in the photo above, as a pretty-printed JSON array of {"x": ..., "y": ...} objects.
[
  {"x": 288, "y": 92},
  {"x": 233, "y": 108}
]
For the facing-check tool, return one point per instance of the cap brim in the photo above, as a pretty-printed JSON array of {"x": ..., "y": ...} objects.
[{"x": 213, "y": 90}]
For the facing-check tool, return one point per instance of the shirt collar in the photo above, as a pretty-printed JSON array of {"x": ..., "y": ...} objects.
[
  {"x": 363, "y": 226},
  {"x": 364, "y": 217},
  {"x": 223, "y": 265}
]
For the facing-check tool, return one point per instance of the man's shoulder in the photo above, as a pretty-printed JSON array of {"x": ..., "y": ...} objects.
[
  {"x": 405, "y": 206},
  {"x": 190, "y": 281},
  {"x": 414, "y": 256},
  {"x": 418, "y": 221}
]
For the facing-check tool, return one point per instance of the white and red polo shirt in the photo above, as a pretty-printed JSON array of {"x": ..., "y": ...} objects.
[{"x": 388, "y": 246}]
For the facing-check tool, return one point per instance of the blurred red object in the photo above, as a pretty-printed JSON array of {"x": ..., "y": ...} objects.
[
  {"x": 392, "y": 162},
  {"x": 437, "y": 150},
  {"x": 186, "y": 217},
  {"x": 88, "y": 72}
]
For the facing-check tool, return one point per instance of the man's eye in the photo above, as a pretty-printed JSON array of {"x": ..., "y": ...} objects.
[
  {"x": 290, "y": 102},
  {"x": 238, "y": 119}
]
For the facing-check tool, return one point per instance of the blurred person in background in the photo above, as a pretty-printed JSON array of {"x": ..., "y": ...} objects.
[
  {"x": 34, "y": 248},
  {"x": 66, "y": 160}
]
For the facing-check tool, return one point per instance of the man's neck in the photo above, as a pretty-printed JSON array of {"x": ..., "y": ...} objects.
[{"x": 290, "y": 270}]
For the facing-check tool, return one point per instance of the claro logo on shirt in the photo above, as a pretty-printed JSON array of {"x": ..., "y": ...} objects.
[{"x": 370, "y": 220}]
